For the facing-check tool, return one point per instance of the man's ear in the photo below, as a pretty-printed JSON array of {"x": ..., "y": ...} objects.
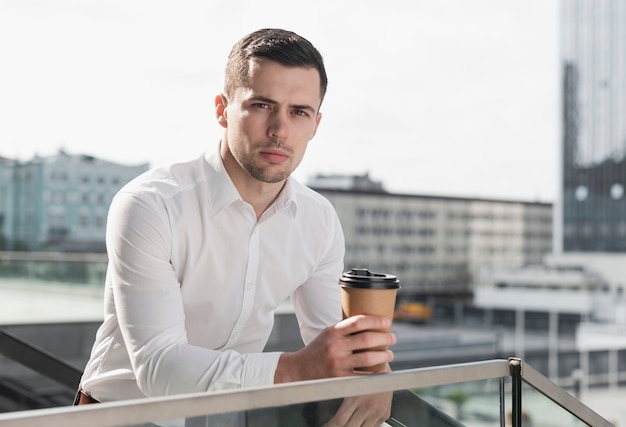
[{"x": 220, "y": 110}]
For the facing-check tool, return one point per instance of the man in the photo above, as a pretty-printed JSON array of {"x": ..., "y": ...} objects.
[{"x": 201, "y": 253}]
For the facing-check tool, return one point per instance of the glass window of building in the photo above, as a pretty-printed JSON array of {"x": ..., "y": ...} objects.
[{"x": 593, "y": 61}]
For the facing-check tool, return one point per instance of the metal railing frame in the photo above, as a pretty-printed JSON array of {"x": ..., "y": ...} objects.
[
  {"x": 139, "y": 411},
  {"x": 515, "y": 366},
  {"x": 38, "y": 359}
]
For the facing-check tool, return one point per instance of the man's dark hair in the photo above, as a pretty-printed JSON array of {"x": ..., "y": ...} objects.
[{"x": 285, "y": 47}]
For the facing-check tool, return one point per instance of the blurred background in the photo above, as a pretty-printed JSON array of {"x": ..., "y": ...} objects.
[
  {"x": 473, "y": 148},
  {"x": 441, "y": 97}
]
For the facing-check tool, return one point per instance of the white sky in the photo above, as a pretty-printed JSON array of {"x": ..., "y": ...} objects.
[{"x": 445, "y": 97}]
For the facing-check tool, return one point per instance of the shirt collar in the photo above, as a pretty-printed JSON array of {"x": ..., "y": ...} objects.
[
  {"x": 222, "y": 190},
  {"x": 286, "y": 198}
]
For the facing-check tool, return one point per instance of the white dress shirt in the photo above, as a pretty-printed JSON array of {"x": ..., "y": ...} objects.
[{"x": 193, "y": 281}]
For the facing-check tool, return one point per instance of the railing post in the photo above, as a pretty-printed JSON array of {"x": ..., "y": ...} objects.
[
  {"x": 515, "y": 366},
  {"x": 502, "y": 403}
]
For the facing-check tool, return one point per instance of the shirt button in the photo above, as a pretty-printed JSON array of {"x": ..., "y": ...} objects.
[{"x": 249, "y": 286}]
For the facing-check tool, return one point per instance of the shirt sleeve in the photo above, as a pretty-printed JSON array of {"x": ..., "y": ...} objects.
[
  {"x": 149, "y": 306},
  {"x": 317, "y": 302}
]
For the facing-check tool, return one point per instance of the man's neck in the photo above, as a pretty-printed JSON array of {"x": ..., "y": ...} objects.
[{"x": 260, "y": 195}]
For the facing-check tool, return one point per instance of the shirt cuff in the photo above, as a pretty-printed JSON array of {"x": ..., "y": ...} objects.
[{"x": 259, "y": 369}]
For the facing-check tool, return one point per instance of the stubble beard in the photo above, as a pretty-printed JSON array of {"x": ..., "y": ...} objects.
[{"x": 260, "y": 173}]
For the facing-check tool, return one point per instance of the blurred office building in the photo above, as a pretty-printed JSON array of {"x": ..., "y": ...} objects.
[
  {"x": 592, "y": 208},
  {"x": 590, "y": 226},
  {"x": 586, "y": 273},
  {"x": 436, "y": 245},
  {"x": 5, "y": 185},
  {"x": 593, "y": 214},
  {"x": 58, "y": 203}
]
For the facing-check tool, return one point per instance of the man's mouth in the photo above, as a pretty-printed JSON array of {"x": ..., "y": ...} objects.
[{"x": 274, "y": 156}]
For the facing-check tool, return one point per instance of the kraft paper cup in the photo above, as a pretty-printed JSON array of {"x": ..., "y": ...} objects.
[{"x": 364, "y": 292}]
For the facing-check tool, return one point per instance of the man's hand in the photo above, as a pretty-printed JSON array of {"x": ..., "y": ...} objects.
[
  {"x": 333, "y": 353},
  {"x": 364, "y": 411},
  {"x": 336, "y": 352}
]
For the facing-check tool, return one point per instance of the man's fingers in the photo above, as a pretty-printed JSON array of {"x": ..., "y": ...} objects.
[
  {"x": 366, "y": 359},
  {"x": 359, "y": 342},
  {"x": 372, "y": 339},
  {"x": 368, "y": 411},
  {"x": 362, "y": 322},
  {"x": 365, "y": 349}
]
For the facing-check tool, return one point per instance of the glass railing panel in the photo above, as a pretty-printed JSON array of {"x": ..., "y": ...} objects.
[
  {"x": 408, "y": 410},
  {"x": 539, "y": 411},
  {"x": 446, "y": 396},
  {"x": 472, "y": 404},
  {"x": 542, "y": 392}
]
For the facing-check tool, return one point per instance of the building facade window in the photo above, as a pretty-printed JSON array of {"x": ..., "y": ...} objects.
[{"x": 593, "y": 49}]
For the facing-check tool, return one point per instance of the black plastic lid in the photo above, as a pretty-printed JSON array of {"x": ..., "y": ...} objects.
[{"x": 363, "y": 278}]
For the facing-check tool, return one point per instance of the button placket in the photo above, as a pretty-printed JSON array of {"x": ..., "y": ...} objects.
[{"x": 249, "y": 288}]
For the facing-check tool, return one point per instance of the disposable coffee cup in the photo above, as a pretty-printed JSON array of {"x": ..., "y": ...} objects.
[{"x": 364, "y": 292}]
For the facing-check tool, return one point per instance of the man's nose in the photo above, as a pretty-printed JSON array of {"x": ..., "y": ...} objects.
[{"x": 278, "y": 126}]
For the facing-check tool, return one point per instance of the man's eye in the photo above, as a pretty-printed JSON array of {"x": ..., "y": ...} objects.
[
  {"x": 300, "y": 113},
  {"x": 261, "y": 105}
]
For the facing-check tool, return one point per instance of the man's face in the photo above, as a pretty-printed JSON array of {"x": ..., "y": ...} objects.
[{"x": 269, "y": 124}]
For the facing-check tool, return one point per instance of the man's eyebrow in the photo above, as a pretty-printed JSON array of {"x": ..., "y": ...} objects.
[
  {"x": 263, "y": 99},
  {"x": 304, "y": 107},
  {"x": 271, "y": 101}
]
